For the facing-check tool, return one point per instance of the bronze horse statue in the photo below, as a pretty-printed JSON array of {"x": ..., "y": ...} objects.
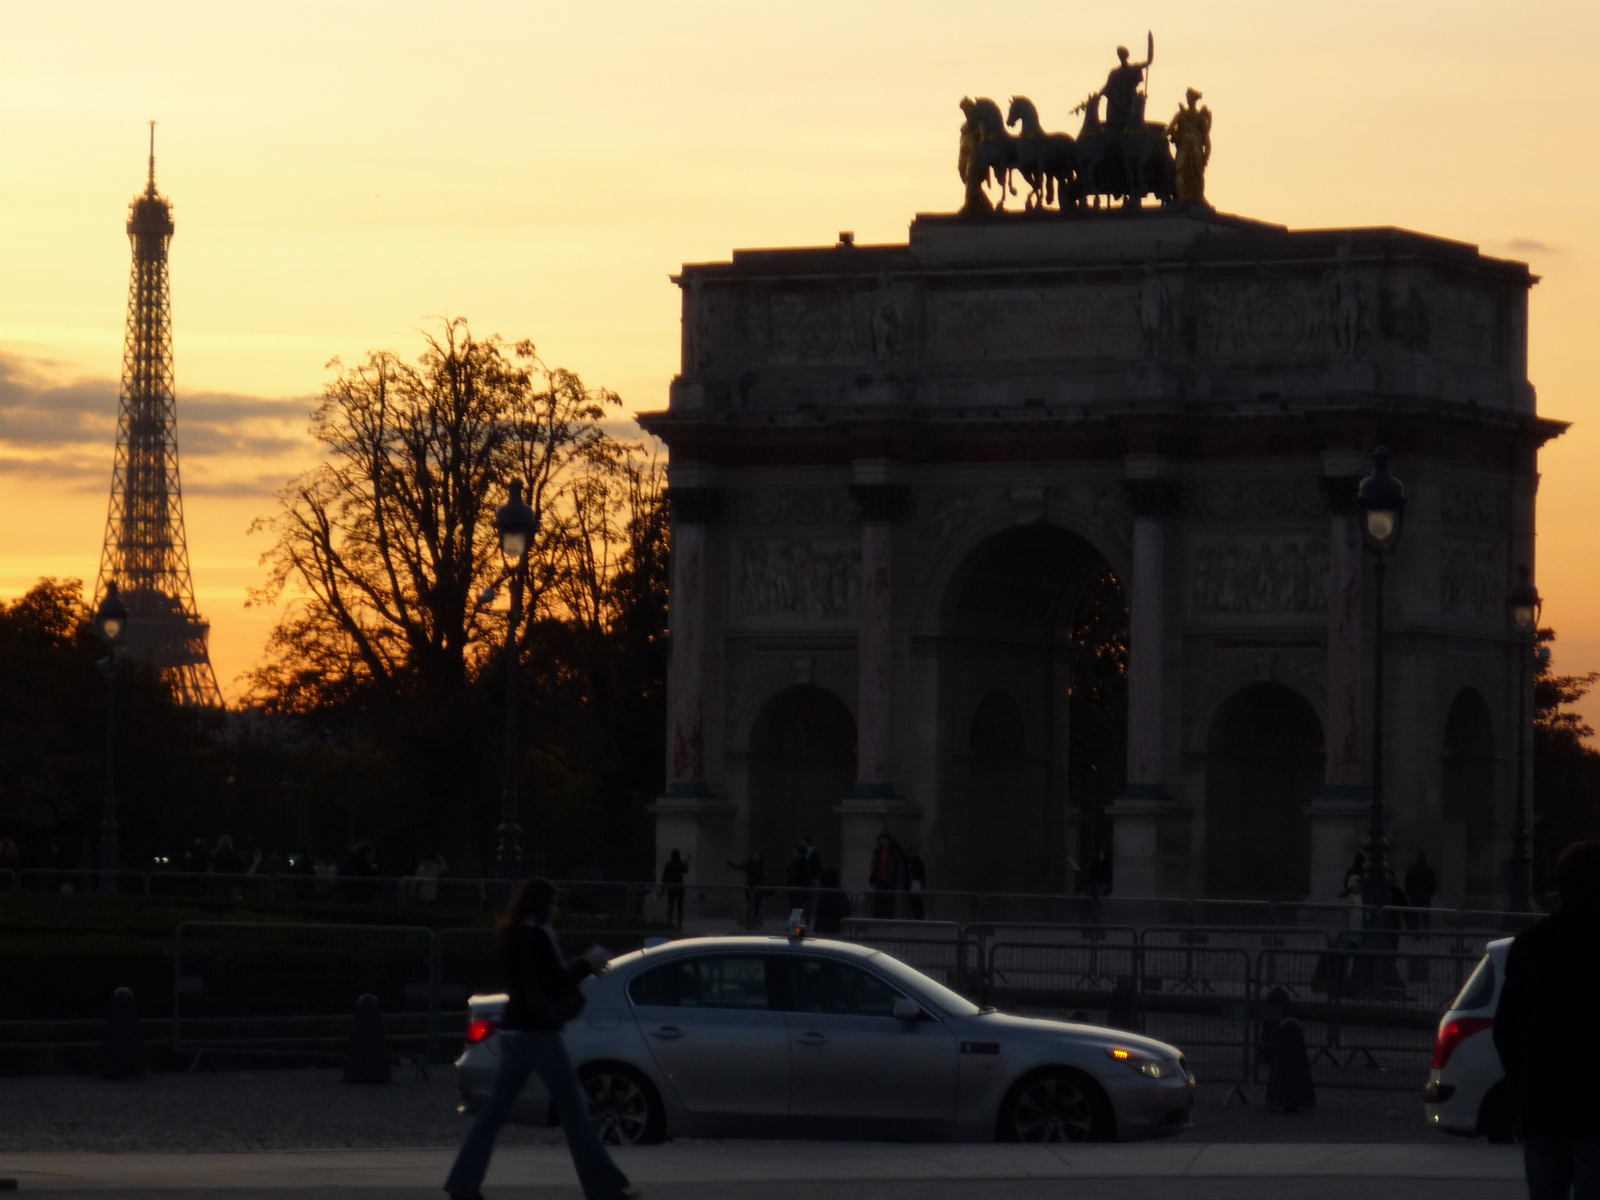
[
  {"x": 1047, "y": 162},
  {"x": 987, "y": 152}
]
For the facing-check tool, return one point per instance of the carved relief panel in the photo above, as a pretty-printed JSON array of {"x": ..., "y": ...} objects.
[
  {"x": 1472, "y": 580},
  {"x": 1250, "y": 576},
  {"x": 809, "y": 579},
  {"x": 1029, "y": 324}
]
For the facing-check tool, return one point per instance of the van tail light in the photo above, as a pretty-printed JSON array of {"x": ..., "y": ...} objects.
[
  {"x": 481, "y": 1031},
  {"x": 1453, "y": 1033}
]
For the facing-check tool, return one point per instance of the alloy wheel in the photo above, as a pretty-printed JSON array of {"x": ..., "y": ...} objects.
[
  {"x": 1053, "y": 1108},
  {"x": 618, "y": 1107}
]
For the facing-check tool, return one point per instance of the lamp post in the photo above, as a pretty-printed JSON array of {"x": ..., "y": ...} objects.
[
  {"x": 1522, "y": 606},
  {"x": 516, "y": 524},
  {"x": 111, "y": 618},
  {"x": 1382, "y": 501}
]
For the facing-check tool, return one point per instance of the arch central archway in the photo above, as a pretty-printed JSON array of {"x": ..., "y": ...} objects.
[
  {"x": 1266, "y": 764},
  {"x": 1033, "y": 712},
  {"x": 802, "y": 763}
]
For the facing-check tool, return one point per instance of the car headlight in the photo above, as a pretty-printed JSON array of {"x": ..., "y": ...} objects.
[{"x": 1151, "y": 1068}]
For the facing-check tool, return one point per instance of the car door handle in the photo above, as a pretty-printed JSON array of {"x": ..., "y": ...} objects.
[
  {"x": 667, "y": 1033},
  {"x": 812, "y": 1039}
]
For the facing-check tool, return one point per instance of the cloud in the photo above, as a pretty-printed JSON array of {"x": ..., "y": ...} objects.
[
  {"x": 1531, "y": 246},
  {"x": 66, "y": 432}
]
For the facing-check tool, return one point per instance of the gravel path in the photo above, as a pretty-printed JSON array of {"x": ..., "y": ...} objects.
[{"x": 315, "y": 1109}]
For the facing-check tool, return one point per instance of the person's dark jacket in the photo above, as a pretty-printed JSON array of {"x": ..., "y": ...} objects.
[
  {"x": 541, "y": 983},
  {"x": 1543, "y": 1028},
  {"x": 1421, "y": 884}
]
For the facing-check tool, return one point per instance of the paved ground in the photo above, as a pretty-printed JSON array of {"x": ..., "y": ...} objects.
[
  {"x": 314, "y": 1109},
  {"x": 810, "y": 1171}
]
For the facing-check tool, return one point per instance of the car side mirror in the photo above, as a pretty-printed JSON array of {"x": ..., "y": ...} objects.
[{"x": 906, "y": 1010}]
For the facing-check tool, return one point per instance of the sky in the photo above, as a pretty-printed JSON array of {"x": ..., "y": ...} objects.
[{"x": 344, "y": 174}]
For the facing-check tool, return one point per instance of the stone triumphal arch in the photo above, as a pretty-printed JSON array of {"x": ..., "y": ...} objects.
[{"x": 1036, "y": 533}]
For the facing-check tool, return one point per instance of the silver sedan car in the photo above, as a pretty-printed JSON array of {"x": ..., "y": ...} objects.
[{"x": 759, "y": 1036}]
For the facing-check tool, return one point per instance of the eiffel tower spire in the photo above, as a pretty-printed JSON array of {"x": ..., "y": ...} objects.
[{"x": 145, "y": 551}]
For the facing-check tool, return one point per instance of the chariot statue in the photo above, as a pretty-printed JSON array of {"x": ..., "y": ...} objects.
[{"x": 1118, "y": 157}]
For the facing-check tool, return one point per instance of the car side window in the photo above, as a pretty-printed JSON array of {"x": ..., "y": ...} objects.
[
  {"x": 730, "y": 981},
  {"x": 825, "y": 985}
]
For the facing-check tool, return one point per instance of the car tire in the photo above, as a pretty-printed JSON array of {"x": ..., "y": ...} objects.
[
  {"x": 1497, "y": 1116},
  {"x": 623, "y": 1105},
  {"x": 1056, "y": 1105}
]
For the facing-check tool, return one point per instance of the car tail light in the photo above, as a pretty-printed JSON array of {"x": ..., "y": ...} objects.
[
  {"x": 480, "y": 1030},
  {"x": 1453, "y": 1033}
]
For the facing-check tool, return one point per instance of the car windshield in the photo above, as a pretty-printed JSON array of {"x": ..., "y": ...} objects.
[{"x": 953, "y": 1003}]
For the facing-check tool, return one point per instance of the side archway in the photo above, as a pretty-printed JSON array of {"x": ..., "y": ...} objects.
[
  {"x": 802, "y": 763},
  {"x": 1265, "y": 763},
  {"x": 1468, "y": 793}
]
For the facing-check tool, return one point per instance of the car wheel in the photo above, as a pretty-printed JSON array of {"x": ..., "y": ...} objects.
[
  {"x": 1055, "y": 1106},
  {"x": 622, "y": 1105}
]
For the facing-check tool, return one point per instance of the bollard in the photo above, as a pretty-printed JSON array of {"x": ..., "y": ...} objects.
[
  {"x": 122, "y": 1056},
  {"x": 1289, "y": 1086},
  {"x": 368, "y": 1059}
]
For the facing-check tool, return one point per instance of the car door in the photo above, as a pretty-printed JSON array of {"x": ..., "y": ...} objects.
[
  {"x": 852, "y": 1058},
  {"x": 716, "y": 1034}
]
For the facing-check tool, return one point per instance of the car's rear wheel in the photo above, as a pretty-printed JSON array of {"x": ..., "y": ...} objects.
[
  {"x": 623, "y": 1105},
  {"x": 1055, "y": 1106}
]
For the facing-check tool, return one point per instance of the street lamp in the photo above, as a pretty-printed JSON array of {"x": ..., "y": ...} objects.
[
  {"x": 516, "y": 524},
  {"x": 1522, "y": 606},
  {"x": 1382, "y": 501},
  {"x": 111, "y": 619}
]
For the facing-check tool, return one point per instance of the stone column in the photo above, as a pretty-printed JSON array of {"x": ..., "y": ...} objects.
[
  {"x": 872, "y": 805},
  {"x": 1339, "y": 811},
  {"x": 688, "y": 818},
  {"x": 1150, "y": 850}
]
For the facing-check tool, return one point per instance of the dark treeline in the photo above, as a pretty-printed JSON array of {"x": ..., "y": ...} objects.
[{"x": 377, "y": 714}]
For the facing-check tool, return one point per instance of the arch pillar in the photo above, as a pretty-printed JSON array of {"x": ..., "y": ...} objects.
[
  {"x": 688, "y": 817},
  {"x": 1339, "y": 811},
  {"x": 872, "y": 806},
  {"x": 1151, "y": 846}
]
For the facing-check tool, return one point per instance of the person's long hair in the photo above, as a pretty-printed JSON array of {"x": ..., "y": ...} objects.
[{"x": 533, "y": 901}]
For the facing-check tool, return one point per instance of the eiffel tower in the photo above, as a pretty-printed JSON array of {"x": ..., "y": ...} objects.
[{"x": 145, "y": 552}]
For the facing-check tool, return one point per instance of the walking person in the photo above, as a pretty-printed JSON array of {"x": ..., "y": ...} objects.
[
  {"x": 754, "y": 869},
  {"x": 673, "y": 873},
  {"x": 1421, "y": 884},
  {"x": 542, "y": 984},
  {"x": 916, "y": 884},
  {"x": 1540, "y": 1030},
  {"x": 885, "y": 875}
]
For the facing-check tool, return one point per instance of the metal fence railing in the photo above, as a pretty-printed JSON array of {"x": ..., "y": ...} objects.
[{"x": 1369, "y": 1003}]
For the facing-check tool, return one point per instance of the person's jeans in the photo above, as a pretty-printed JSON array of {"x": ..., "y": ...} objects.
[
  {"x": 523, "y": 1052},
  {"x": 1562, "y": 1167}
]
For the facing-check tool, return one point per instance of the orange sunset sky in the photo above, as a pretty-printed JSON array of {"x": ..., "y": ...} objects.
[{"x": 344, "y": 173}]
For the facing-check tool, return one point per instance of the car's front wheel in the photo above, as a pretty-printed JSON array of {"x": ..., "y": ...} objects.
[
  {"x": 1055, "y": 1106},
  {"x": 623, "y": 1105}
]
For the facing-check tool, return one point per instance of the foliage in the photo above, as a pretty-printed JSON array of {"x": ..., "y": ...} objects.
[
  {"x": 1566, "y": 768},
  {"x": 52, "y": 738},
  {"x": 384, "y": 652},
  {"x": 1098, "y": 731}
]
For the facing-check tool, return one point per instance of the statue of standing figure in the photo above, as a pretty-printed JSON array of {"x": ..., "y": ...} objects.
[{"x": 1189, "y": 131}]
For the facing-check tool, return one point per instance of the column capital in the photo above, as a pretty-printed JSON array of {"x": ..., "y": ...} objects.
[
  {"x": 1153, "y": 498},
  {"x": 695, "y": 505},
  {"x": 881, "y": 501},
  {"x": 1341, "y": 490}
]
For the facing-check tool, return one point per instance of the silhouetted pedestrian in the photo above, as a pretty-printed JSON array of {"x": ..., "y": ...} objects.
[
  {"x": 1421, "y": 884},
  {"x": 916, "y": 884},
  {"x": 225, "y": 860},
  {"x": 833, "y": 906},
  {"x": 542, "y": 987},
  {"x": 1546, "y": 1004},
  {"x": 754, "y": 869},
  {"x": 673, "y": 873},
  {"x": 886, "y": 876},
  {"x": 1100, "y": 875}
]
